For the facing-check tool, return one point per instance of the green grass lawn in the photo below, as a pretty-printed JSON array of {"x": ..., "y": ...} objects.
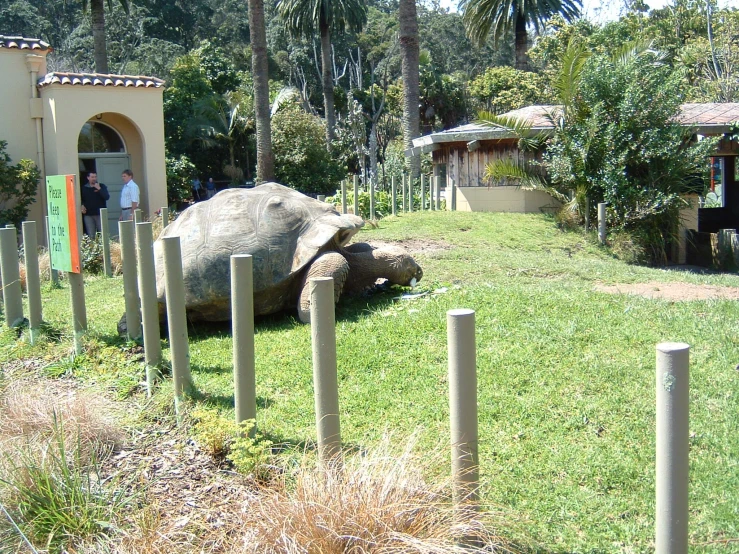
[{"x": 565, "y": 375}]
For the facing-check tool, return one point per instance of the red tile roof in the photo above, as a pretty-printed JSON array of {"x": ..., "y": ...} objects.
[
  {"x": 21, "y": 43},
  {"x": 100, "y": 79}
]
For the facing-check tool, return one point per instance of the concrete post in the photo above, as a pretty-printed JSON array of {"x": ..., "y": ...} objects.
[
  {"x": 79, "y": 309},
  {"x": 321, "y": 198},
  {"x": 323, "y": 333},
  {"x": 356, "y": 195},
  {"x": 372, "y": 198},
  {"x": 179, "y": 347},
  {"x": 463, "y": 404},
  {"x": 432, "y": 193},
  {"x": 402, "y": 194},
  {"x": 242, "y": 321},
  {"x": 10, "y": 273},
  {"x": 105, "y": 237},
  {"x": 165, "y": 217},
  {"x": 53, "y": 273},
  {"x": 673, "y": 360},
  {"x": 343, "y": 197},
  {"x": 394, "y": 195},
  {"x": 33, "y": 279},
  {"x": 130, "y": 286},
  {"x": 438, "y": 193},
  {"x": 602, "y": 222},
  {"x": 454, "y": 195},
  {"x": 147, "y": 283},
  {"x": 138, "y": 215},
  {"x": 587, "y": 214}
]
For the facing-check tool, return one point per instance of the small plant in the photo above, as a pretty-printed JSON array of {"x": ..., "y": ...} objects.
[
  {"x": 213, "y": 432},
  {"x": 91, "y": 255},
  {"x": 57, "y": 500},
  {"x": 249, "y": 454}
]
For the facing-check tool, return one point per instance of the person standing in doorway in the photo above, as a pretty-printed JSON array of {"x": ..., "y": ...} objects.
[
  {"x": 129, "y": 196},
  {"x": 94, "y": 196},
  {"x": 210, "y": 188}
]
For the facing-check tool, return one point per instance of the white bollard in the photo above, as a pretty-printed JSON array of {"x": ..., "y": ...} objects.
[
  {"x": 242, "y": 321},
  {"x": 326, "y": 388},
  {"x": 463, "y": 404},
  {"x": 672, "y": 469}
]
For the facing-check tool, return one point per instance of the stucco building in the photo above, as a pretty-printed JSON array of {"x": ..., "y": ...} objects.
[{"x": 74, "y": 123}]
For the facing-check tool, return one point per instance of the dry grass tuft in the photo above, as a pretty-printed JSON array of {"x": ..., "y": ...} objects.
[
  {"x": 30, "y": 413},
  {"x": 379, "y": 503}
]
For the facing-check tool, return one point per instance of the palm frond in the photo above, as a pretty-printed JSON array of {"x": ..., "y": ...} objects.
[
  {"x": 573, "y": 62},
  {"x": 638, "y": 49},
  {"x": 523, "y": 175}
]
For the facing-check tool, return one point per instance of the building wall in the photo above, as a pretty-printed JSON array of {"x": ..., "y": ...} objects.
[
  {"x": 502, "y": 199},
  {"x": 17, "y": 126},
  {"x": 137, "y": 116}
]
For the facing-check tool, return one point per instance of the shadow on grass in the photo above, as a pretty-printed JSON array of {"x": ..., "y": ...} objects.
[{"x": 223, "y": 401}]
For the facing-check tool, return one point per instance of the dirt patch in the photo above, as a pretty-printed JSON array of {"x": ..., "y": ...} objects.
[
  {"x": 675, "y": 292},
  {"x": 418, "y": 246}
]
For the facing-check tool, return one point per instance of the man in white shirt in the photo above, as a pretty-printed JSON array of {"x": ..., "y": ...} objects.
[{"x": 129, "y": 196}]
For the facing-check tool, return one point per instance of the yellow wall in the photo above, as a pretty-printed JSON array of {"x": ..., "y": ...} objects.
[
  {"x": 501, "y": 199},
  {"x": 17, "y": 127},
  {"x": 135, "y": 113}
]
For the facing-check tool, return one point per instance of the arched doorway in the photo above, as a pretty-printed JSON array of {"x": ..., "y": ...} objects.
[{"x": 102, "y": 149}]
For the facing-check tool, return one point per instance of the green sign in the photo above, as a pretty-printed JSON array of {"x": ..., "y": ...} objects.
[{"x": 64, "y": 243}]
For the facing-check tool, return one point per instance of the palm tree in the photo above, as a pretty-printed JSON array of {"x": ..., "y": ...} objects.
[
  {"x": 223, "y": 119},
  {"x": 97, "y": 14},
  {"x": 260, "y": 73},
  {"x": 303, "y": 17},
  {"x": 501, "y": 16},
  {"x": 409, "y": 51}
]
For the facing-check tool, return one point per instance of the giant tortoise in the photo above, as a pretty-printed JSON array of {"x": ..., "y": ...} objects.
[{"x": 291, "y": 237}]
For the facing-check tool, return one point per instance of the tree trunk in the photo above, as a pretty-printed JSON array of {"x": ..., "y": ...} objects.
[
  {"x": 409, "y": 53},
  {"x": 328, "y": 82},
  {"x": 522, "y": 43},
  {"x": 265, "y": 157},
  {"x": 97, "y": 14}
]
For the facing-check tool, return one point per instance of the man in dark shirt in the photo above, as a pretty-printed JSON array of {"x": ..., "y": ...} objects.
[{"x": 94, "y": 196}]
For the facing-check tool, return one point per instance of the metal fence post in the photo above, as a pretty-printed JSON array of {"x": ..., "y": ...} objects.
[
  {"x": 149, "y": 306},
  {"x": 242, "y": 321},
  {"x": 33, "y": 279},
  {"x": 105, "y": 237},
  {"x": 673, "y": 360},
  {"x": 602, "y": 222},
  {"x": 179, "y": 347},
  {"x": 323, "y": 333},
  {"x": 130, "y": 285},
  {"x": 463, "y": 404},
  {"x": 10, "y": 272}
]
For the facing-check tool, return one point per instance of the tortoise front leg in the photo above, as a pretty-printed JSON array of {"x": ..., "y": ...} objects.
[{"x": 328, "y": 264}]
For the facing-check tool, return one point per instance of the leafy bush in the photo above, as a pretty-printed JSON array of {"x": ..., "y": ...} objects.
[
  {"x": 91, "y": 255},
  {"x": 18, "y": 186},
  {"x": 250, "y": 452},
  {"x": 180, "y": 173},
  {"x": 301, "y": 159},
  {"x": 502, "y": 89}
]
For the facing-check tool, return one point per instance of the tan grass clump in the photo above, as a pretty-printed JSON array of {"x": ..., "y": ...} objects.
[
  {"x": 31, "y": 412},
  {"x": 379, "y": 503}
]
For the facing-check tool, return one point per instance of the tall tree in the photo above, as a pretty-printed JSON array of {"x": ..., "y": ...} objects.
[
  {"x": 97, "y": 15},
  {"x": 502, "y": 16},
  {"x": 409, "y": 53},
  {"x": 260, "y": 73},
  {"x": 303, "y": 17}
]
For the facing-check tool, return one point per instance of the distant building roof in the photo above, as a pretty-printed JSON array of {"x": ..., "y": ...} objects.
[
  {"x": 100, "y": 79},
  {"x": 708, "y": 119},
  {"x": 22, "y": 43}
]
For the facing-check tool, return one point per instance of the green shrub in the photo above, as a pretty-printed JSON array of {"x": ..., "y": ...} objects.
[
  {"x": 18, "y": 186},
  {"x": 301, "y": 159},
  {"x": 91, "y": 255},
  {"x": 180, "y": 173},
  {"x": 249, "y": 454}
]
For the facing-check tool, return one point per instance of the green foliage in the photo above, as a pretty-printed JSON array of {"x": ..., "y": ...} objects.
[
  {"x": 251, "y": 452},
  {"x": 18, "y": 186},
  {"x": 502, "y": 89},
  {"x": 301, "y": 159},
  {"x": 180, "y": 172},
  {"x": 91, "y": 255},
  {"x": 58, "y": 501},
  {"x": 213, "y": 432}
]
